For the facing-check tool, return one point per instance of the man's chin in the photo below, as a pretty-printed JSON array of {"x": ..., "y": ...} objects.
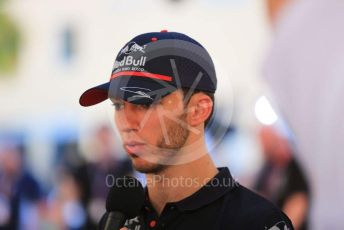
[{"x": 144, "y": 166}]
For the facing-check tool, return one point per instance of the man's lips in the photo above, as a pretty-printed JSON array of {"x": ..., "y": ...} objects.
[{"x": 133, "y": 147}]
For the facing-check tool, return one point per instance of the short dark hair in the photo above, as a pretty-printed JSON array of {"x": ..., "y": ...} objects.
[{"x": 195, "y": 91}]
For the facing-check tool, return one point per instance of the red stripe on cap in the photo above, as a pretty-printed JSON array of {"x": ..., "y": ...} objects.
[{"x": 142, "y": 74}]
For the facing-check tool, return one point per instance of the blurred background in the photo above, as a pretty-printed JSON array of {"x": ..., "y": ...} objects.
[{"x": 280, "y": 68}]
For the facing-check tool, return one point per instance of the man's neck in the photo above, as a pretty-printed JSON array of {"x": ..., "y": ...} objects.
[{"x": 177, "y": 182}]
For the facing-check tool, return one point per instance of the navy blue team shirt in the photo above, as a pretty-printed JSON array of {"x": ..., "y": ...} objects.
[{"x": 222, "y": 204}]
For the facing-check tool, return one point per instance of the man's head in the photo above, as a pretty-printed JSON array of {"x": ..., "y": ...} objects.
[{"x": 162, "y": 86}]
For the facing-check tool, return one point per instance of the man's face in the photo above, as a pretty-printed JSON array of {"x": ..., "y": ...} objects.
[{"x": 152, "y": 135}]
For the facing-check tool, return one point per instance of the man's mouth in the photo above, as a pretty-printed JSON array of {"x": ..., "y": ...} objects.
[{"x": 134, "y": 148}]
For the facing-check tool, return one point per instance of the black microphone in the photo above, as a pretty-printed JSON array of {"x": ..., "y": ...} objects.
[{"x": 124, "y": 201}]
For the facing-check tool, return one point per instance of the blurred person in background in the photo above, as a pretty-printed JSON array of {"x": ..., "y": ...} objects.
[
  {"x": 20, "y": 193},
  {"x": 63, "y": 208},
  {"x": 108, "y": 163},
  {"x": 305, "y": 69},
  {"x": 281, "y": 179},
  {"x": 77, "y": 200},
  {"x": 66, "y": 203}
]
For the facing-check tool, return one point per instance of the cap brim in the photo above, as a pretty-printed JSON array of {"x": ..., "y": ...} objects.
[
  {"x": 95, "y": 95},
  {"x": 133, "y": 89}
]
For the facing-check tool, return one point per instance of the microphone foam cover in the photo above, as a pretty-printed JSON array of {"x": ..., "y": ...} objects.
[{"x": 126, "y": 196}]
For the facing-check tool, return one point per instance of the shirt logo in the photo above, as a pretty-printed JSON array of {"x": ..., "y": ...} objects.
[
  {"x": 132, "y": 47},
  {"x": 279, "y": 226},
  {"x": 133, "y": 224}
]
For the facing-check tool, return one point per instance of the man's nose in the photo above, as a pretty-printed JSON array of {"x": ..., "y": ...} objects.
[{"x": 128, "y": 118}]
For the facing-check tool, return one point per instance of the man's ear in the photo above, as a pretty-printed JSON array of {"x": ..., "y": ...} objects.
[{"x": 199, "y": 109}]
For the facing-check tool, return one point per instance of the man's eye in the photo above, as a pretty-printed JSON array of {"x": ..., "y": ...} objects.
[
  {"x": 145, "y": 106},
  {"x": 118, "y": 106}
]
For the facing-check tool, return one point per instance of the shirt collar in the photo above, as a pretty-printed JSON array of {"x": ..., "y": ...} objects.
[{"x": 218, "y": 186}]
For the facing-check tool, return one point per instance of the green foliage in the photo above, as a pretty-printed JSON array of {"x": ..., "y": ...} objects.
[{"x": 9, "y": 41}]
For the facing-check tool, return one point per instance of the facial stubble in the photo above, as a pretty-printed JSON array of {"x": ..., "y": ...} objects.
[{"x": 168, "y": 147}]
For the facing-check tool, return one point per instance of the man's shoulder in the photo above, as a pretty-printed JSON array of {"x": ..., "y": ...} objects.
[
  {"x": 252, "y": 211},
  {"x": 251, "y": 200}
]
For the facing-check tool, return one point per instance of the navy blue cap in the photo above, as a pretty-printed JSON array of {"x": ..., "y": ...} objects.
[{"x": 152, "y": 65}]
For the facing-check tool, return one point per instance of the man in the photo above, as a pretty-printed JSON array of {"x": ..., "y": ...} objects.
[{"x": 162, "y": 87}]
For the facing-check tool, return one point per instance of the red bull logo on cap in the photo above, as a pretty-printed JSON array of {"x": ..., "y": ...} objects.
[
  {"x": 132, "y": 47},
  {"x": 130, "y": 61}
]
